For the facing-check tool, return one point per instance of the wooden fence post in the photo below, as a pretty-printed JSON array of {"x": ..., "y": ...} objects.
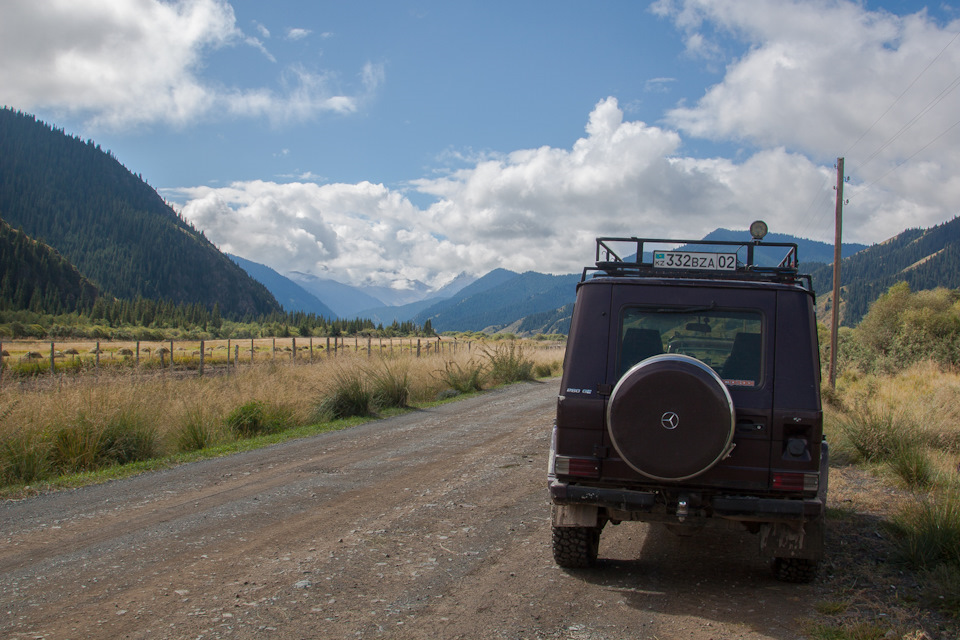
[
  {"x": 138, "y": 354},
  {"x": 171, "y": 354},
  {"x": 97, "y": 358},
  {"x": 328, "y": 346},
  {"x": 251, "y": 350},
  {"x": 203, "y": 351},
  {"x": 311, "y": 349},
  {"x": 418, "y": 347},
  {"x": 294, "y": 349},
  {"x": 369, "y": 346}
]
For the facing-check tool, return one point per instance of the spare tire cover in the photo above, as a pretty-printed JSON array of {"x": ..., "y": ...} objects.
[{"x": 670, "y": 417}]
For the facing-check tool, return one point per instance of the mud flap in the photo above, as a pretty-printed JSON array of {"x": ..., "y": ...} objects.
[
  {"x": 575, "y": 515},
  {"x": 793, "y": 539}
]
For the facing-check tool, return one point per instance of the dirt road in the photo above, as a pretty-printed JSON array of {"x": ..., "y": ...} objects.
[{"x": 434, "y": 524}]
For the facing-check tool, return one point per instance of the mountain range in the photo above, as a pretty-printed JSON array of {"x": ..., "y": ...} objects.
[{"x": 75, "y": 225}]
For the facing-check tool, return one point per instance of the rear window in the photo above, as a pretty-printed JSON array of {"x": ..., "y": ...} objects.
[{"x": 730, "y": 342}]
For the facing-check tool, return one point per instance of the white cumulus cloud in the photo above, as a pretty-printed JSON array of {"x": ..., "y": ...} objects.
[
  {"x": 533, "y": 209},
  {"x": 122, "y": 63}
]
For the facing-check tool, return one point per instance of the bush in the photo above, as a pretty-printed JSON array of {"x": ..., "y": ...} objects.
[{"x": 508, "y": 364}]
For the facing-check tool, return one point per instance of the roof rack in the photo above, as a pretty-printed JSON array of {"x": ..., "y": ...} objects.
[{"x": 713, "y": 259}]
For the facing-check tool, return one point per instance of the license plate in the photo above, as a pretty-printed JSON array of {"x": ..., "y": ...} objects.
[{"x": 693, "y": 260}]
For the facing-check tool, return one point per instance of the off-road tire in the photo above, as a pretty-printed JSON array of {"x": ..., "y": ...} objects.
[
  {"x": 576, "y": 547},
  {"x": 798, "y": 570}
]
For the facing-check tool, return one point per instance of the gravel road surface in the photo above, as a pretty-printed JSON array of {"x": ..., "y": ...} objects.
[{"x": 433, "y": 524}]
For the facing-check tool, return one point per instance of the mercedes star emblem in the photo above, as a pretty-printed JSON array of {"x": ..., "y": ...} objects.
[{"x": 670, "y": 420}]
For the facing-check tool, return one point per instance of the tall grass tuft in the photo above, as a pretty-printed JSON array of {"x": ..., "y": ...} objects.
[
  {"x": 508, "y": 363},
  {"x": 195, "y": 431},
  {"x": 463, "y": 379},
  {"x": 24, "y": 458},
  {"x": 912, "y": 464},
  {"x": 128, "y": 437},
  {"x": 77, "y": 446},
  {"x": 391, "y": 384},
  {"x": 349, "y": 397},
  {"x": 256, "y": 418},
  {"x": 876, "y": 432},
  {"x": 929, "y": 529}
]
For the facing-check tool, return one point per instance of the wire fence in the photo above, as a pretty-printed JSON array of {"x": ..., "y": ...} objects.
[{"x": 21, "y": 359}]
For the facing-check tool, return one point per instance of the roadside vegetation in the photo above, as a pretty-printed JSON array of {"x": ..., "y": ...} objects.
[
  {"x": 893, "y": 566},
  {"x": 53, "y": 430}
]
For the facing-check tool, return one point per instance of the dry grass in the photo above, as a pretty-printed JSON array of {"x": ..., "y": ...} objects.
[
  {"x": 892, "y": 564},
  {"x": 50, "y": 426}
]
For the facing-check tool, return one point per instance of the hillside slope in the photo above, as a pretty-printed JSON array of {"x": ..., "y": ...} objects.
[
  {"x": 36, "y": 277},
  {"x": 288, "y": 293},
  {"x": 499, "y": 299},
  {"x": 114, "y": 228},
  {"x": 923, "y": 258}
]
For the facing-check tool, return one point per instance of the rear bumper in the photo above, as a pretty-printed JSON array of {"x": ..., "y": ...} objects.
[{"x": 746, "y": 508}]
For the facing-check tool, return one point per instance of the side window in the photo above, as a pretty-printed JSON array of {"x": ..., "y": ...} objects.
[{"x": 729, "y": 341}]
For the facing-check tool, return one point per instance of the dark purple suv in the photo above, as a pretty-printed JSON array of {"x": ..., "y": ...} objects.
[{"x": 691, "y": 397}]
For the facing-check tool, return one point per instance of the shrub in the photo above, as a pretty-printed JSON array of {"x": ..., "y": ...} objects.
[{"x": 508, "y": 364}]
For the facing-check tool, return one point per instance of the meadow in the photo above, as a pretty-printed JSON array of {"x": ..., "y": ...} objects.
[{"x": 119, "y": 413}]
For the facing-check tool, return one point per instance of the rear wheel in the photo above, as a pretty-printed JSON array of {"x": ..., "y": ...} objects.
[{"x": 576, "y": 547}]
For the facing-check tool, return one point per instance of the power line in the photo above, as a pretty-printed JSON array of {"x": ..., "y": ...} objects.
[{"x": 902, "y": 93}]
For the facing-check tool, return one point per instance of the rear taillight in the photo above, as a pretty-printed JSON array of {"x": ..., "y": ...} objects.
[
  {"x": 583, "y": 467},
  {"x": 796, "y": 481}
]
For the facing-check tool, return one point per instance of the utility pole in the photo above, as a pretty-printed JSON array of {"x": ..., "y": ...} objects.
[{"x": 835, "y": 305}]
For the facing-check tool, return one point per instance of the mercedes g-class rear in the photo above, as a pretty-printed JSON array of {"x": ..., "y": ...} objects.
[{"x": 691, "y": 396}]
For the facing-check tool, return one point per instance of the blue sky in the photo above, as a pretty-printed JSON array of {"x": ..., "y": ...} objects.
[{"x": 386, "y": 142}]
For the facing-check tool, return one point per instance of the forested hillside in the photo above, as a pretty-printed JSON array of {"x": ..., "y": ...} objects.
[
  {"x": 33, "y": 276},
  {"x": 114, "y": 228},
  {"x": 923, "y": 258}
]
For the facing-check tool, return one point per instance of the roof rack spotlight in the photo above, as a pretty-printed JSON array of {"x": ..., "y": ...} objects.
[{"x": 758, "y": 230}]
